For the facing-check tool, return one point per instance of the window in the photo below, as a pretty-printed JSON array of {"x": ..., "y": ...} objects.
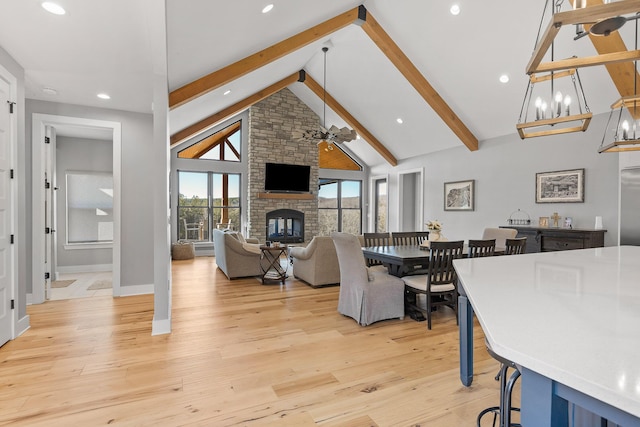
[
  {"x": 380, "y": 205},
  {"x": 222, "y": 145},
  {"x": 89, "y": 208},
  {"x": 339, "y": 206},
  {"x": 207, "y": 200}
]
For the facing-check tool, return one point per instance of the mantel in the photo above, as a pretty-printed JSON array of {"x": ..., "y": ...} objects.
[{"x": 299, "y": 196}]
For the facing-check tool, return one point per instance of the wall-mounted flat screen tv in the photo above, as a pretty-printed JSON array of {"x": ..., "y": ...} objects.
[{"x": 283, "y": 178}]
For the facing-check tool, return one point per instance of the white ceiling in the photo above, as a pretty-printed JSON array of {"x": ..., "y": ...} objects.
[
  {"x": 106, "y": 47},
  {"x": 96, "y": 47}
]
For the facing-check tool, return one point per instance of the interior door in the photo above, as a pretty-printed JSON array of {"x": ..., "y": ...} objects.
[
  {"x": 6, "y": 250},
  {"x": 48, "y": 210}
]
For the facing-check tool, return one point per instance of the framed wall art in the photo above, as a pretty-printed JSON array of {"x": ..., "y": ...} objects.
[
  {"x": 459, "y": 195},
  {"x": 560, "y": 186}
]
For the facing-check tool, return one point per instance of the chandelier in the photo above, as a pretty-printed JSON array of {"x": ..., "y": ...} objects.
[
  {"x": 333, "y": 134},
  {"x": 554, "y": 102},
  {"x": 626, "y": 133}
]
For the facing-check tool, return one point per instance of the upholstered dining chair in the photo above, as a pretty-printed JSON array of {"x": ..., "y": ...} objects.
[
  {"x": 515, "y": 246},
  {"x": 406, "y": 238},
  {"x": 481, "y": 248},
  {"x": 439, "y": 284},
  {"x": 365, "y": 295},
  {"x": 500, "y": 234}
]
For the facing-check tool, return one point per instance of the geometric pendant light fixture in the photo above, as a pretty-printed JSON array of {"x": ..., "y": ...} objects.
[
  {"x": 625, "y": 135},
  {"x": 554, "y": 102}
]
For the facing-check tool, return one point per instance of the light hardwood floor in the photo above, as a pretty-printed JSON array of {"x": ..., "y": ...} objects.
[{"x": 240, "y": 354}]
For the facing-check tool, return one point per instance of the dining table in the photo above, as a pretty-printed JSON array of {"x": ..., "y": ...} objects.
[
  {"x": 399, "y": 260},
  {"x": 404, "y": 260}
]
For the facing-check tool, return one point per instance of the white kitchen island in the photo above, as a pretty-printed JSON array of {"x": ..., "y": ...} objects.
[{"x": 571, "y": 319}]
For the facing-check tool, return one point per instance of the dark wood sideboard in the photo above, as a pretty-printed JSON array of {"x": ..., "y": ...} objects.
[{"x": 545, "y": 239}]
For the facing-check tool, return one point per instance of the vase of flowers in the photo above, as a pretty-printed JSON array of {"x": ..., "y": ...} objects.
[{"x": 434, "y": 227}]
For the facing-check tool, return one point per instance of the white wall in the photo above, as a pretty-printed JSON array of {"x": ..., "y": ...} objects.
[
  {"x": 504, "y": 169},
  {"x": 137, "y": 214}
]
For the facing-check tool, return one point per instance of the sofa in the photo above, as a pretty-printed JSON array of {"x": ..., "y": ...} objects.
[
  {"x": 317, "y": 263},
  {"x": 235, "y": 256}
]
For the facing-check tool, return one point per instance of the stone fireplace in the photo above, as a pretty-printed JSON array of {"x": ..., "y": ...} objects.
[
  {"x": 285, "y": 226},
  {"x": 271, "y": 125}
]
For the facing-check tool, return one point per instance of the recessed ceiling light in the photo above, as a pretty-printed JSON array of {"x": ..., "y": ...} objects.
[
  {"x": 49, "y": 91},
  {"x": 399, "y": 120},
  {"x": 103, "y": 96},
  {"x": 54, "y": 8},
  {"x": 455, "y": 9},
  {"x": 227, "y": 92},
  {"x": 267, "y": 8},
  {"x": 504, "y": 78}
]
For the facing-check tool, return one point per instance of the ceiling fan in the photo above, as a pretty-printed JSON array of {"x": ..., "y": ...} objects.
[
  {"x": 331, "y": 135},
  {"x": 604, "y": 27}
]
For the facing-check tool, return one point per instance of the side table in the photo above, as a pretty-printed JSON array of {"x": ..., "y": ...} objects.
[{"x": 273, "y": 270}]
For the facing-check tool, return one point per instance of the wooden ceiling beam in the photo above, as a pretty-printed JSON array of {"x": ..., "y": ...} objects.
[
  {"x": 386, "y": 44},
  {"x": 234, "y": 109},
  {"x": 200, "y": 148},
  {"x": 351, "y": 121},
  {"x": 251, "y": 63}
]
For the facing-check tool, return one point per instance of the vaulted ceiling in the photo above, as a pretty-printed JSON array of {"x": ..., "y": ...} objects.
[{"x": 105, "y": 47}]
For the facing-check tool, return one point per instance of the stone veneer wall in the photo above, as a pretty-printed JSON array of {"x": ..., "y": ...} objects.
[{"x": 271, "y": 123}]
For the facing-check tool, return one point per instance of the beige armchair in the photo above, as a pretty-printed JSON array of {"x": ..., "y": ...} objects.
[
  {"x": 234, "y": 257},
  {"x": 500, "y": 235},
  {"x": 316, "y": 264}
]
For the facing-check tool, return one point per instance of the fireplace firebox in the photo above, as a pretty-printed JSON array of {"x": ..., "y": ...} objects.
[{"x": 285, "y": 226}]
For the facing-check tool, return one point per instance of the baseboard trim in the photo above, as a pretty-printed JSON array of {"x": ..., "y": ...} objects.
[
  {"x": 161, "y": 327},
  {"x": 127, "y": 291},
  {"x": 66, "y": 269},
  {"x": 22, "y": 326},
  {"x": 29, "y": 299}
]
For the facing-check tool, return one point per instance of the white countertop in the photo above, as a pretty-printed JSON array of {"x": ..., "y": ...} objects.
[{"x": 572, "y": 316}]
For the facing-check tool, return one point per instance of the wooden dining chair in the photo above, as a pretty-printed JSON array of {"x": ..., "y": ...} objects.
[
  {"x": 515, "y": 246},
  {"x": 376, "y": 239},
  {"x": 481, "y": 248},
  {"x": 439, "y": 284},
  {"x": 407, "y": 238}
]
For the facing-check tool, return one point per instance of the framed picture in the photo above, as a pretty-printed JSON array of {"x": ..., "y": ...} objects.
[
  {"x": 459, "y": 195},
  {"x": 560, "y": 186},
  {"x": 543, "y": 221}
]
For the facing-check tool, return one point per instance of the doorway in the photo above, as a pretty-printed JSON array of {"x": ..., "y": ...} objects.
[
  {"x": 44, "y": 129},
  {"x": 410, "y": 207}
]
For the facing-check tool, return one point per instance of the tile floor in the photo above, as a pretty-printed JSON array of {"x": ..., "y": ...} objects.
[{"x": 78, "y": 289}]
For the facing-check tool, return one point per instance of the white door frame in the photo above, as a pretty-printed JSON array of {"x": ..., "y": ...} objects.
[
  {"x": 13, "y": 221},
  {"x": 372, "y": 201},
  {"x": 419, "y": 204},
  {"x": 39, "y": 122}
]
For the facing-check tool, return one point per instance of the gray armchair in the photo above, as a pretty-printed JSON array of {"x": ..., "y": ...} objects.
[
  {"x": 234, "y": 257},
  {"x": 316, "y": 264},
  {"x": 366, "y": 296}
]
